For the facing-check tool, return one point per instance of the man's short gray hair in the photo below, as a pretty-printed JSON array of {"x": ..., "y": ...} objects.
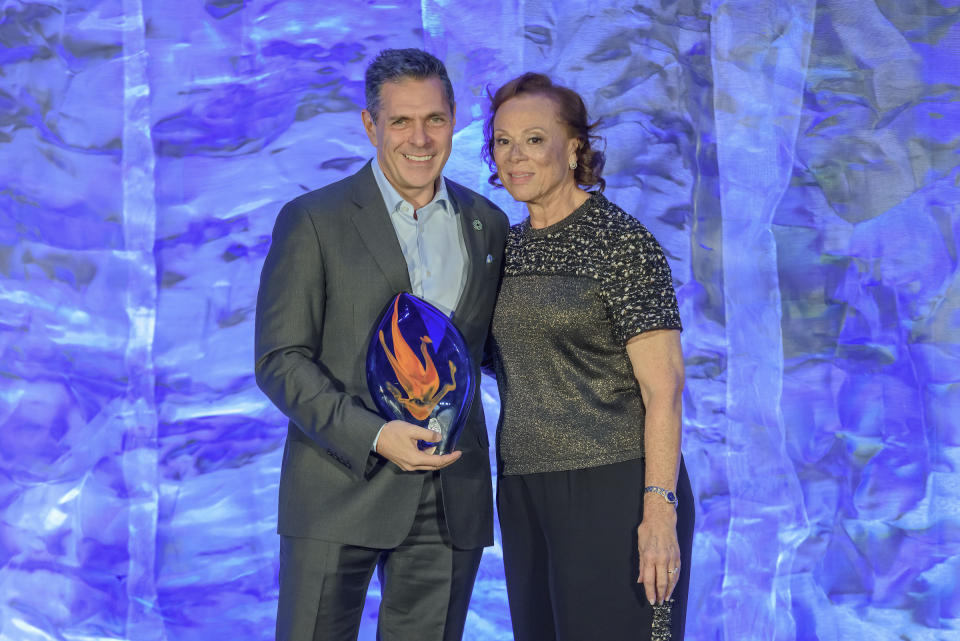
[{"x": 393, "y": 65}]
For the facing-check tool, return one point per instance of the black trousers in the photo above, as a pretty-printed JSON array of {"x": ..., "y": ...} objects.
[
  {"x": 425, "y": 583},
  {"x": 570, "y": 553}
]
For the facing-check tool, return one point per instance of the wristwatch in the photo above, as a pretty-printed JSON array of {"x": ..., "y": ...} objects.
[{"x": 667, "y": 495}]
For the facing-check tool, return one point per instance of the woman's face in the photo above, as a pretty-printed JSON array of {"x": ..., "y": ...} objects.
[{"x": 533, "y": 149}]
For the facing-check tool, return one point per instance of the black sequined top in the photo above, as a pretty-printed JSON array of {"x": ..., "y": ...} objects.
[{"x": 572, "y": 295}]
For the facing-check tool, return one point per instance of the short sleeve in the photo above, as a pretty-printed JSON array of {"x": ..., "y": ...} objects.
[{"x": 638, "y": 288}]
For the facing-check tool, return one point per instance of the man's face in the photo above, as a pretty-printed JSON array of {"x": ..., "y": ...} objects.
[{"x": 413, "y": 135}]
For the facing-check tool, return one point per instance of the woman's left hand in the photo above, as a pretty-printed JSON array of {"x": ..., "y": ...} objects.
[{"x": 659, "y": 552}]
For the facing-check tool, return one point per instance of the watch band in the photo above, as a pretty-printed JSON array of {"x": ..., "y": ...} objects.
[{"x": 667, "y": 495}]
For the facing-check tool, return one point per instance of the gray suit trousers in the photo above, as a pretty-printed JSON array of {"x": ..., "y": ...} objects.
[{"x": 425, "y": 582}]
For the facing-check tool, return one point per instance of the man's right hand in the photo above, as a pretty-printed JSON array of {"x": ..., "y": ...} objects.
[{"x": 398, "y": 443}]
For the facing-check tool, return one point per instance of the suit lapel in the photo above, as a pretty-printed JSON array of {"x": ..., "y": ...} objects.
[
  {"x": 476, "y": 256},
  {"x": 376, "y": 230}
]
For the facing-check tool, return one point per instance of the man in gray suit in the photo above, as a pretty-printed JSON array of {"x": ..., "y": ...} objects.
[{"x": 356, "y": 493}]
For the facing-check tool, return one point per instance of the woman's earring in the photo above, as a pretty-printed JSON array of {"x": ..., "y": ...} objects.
[{"x": 573, "y": 164}]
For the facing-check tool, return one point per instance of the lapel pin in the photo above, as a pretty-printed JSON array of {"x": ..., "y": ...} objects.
[
  {"x": 489, "y": 258},
  {"x": 477, "y": 224}
]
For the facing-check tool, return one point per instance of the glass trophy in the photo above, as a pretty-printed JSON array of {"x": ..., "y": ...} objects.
[{"x": 419, "y": 370}]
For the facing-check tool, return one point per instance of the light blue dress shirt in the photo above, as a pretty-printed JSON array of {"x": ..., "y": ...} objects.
[
  {"x": 431, "y": 242},
  {"x": 432, "y": 246}
]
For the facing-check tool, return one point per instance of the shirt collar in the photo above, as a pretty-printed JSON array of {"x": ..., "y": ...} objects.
[{"x": 392, "y": 198}]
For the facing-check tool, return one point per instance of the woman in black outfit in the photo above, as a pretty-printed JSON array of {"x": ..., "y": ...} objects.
[{"x": 596, "y": 511}]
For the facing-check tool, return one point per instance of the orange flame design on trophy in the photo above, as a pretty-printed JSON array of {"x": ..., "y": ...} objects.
[{"x": 420, "y": 381}]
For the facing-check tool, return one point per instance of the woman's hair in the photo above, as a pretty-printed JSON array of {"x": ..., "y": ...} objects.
[{"x": 572, "y": 113}]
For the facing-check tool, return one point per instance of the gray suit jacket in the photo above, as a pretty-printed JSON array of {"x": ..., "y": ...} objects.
[{"x": 333, "y": 265}]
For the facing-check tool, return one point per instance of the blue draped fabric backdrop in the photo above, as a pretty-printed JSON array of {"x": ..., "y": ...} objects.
[{"x": 797, "y": 160}]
